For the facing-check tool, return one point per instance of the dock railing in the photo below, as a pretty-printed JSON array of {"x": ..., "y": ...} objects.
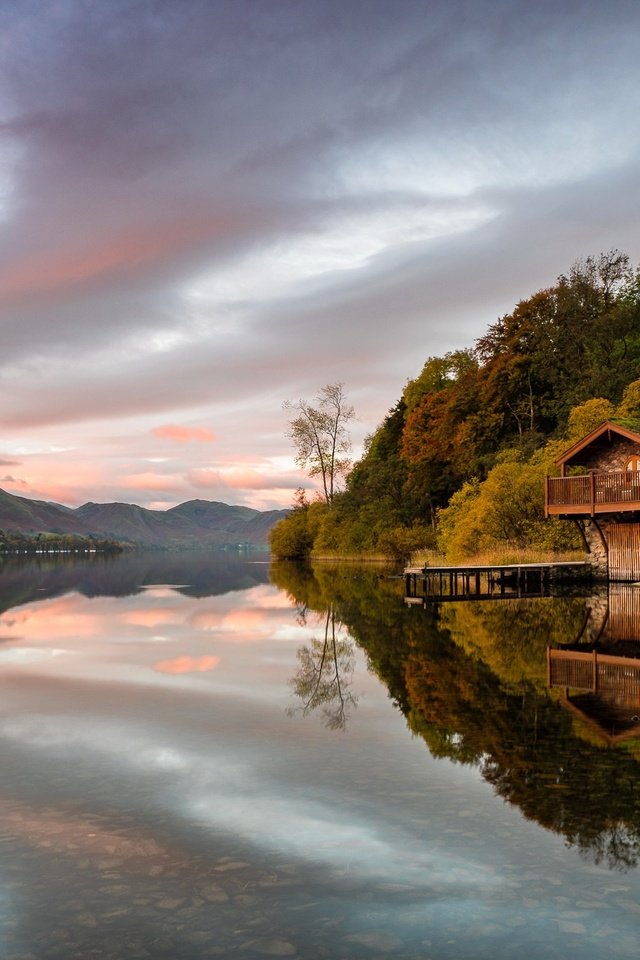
[{"x": 489, "y": 582}]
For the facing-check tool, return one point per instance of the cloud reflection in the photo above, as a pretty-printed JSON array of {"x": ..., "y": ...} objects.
[
  {"x": 220, "y": 786},
  {"x": 187, "y": 664}
]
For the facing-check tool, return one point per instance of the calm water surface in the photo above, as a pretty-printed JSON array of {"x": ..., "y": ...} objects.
[{"x": 200, "y": 761}]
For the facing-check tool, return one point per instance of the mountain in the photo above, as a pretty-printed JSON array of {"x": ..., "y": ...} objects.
[
  {"x": 36, "y": 516},
  {"x": 197, "y": 523}
]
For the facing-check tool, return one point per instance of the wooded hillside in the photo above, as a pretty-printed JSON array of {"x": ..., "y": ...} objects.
[{"x": 470, "y": 439}]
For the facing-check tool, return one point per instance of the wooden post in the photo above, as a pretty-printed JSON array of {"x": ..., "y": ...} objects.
[
  {"x": 546, "y": 496},
  {"x": 593, "y": 493}
]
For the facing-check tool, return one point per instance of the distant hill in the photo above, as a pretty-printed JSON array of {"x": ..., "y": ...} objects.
[{"x": 197, "y": 523}]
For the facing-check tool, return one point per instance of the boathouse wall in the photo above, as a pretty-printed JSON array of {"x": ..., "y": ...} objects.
[
  {"x": 613, "y": 458},
  {"x": 614, "y": 547},
  {"x": 595, "y": 534}
]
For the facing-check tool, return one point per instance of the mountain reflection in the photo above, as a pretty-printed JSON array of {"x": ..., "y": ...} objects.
[
  {"x": 192, "y": 574},
  {"x": 471, "y": 680}
]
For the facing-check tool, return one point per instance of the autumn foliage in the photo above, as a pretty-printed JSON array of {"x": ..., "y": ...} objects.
[{"x": 463, "y": 454}]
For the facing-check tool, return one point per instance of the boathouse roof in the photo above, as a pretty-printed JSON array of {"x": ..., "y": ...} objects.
[{"x": 600, "y": 439}]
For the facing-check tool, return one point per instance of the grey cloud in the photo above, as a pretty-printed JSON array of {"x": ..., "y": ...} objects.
[
  {"x": 160, "y": 140},
  {"x": 380, "y": 320}
]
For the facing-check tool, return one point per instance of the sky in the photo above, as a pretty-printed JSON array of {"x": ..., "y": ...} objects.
[{"x": 210, "y": 207}]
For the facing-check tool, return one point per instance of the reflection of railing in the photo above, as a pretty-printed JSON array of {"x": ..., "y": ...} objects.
[
  {"x": 594, "y": 493},
  {"x": 596, "y": 672}
]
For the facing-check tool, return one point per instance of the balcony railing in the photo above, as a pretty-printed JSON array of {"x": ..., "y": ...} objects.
[
  {"x": 598, "y": 672},
  {"x": 593, "y": 493}
]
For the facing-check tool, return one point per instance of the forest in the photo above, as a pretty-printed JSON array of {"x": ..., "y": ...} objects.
[{"x": 458, "y": 464}]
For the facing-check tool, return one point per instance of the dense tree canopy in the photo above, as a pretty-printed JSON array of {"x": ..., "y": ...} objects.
[{"x": 490, "y": 421}]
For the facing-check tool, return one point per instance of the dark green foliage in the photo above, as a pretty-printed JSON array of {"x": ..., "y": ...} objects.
[
  {"x": 291, "y": 538},
  {"x": 572, "y": 347}
]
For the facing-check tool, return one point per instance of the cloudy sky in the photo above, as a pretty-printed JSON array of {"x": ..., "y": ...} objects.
[{"x": 208, "y": 207}]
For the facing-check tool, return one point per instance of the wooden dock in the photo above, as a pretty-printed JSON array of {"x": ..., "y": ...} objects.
[{"x": 488, "y": 582}]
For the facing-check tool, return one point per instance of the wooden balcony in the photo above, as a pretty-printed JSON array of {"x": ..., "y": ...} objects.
[{"x": 595, "y": 493}]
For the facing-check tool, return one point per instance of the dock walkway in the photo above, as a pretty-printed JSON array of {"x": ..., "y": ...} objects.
[{"x": 488, "y": 582}]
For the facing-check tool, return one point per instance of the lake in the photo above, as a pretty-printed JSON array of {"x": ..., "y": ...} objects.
[{"x": 203, "y": 757}]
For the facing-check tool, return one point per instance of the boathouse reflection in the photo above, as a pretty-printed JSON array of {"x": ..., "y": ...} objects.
[{"x": 599, "y": 672}]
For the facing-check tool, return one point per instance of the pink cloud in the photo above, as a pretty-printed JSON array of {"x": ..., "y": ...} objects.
[
  {"x": 187, "y": 665},
  {"x": 151, "y": 617},
  {"x": 245, "y": 479},
  {"x": 183, "y": 434},
  {"x": 44, "y": 272},
  {"x": 56, "y": 619},
  {"x": 205, "y": 620},
  {"x": 205, "y": 478},
  {"x": 153, "y": 482}
]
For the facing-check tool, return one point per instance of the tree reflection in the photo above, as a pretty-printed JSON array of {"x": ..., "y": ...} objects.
[
  {"x": 471, "y": 681},
  {"x": 325, "y": 675}
]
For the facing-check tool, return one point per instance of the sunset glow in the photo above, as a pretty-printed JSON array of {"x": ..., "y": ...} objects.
[{"x": 322, "y": 193}]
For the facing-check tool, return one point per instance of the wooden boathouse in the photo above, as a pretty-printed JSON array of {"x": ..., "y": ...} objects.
[{"x": 599, "y": 489}]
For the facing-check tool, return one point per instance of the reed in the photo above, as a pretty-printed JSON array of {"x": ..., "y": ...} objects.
[{"x": 499, "y": 557}]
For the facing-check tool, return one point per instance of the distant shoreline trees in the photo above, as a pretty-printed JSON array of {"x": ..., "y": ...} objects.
[{"x": 16, "y": 542}]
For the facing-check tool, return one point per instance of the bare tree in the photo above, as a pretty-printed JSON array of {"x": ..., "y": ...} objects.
[{"x": 320, "y": 436}]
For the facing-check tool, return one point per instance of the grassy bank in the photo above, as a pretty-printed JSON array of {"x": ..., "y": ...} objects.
[{"x": 502, "y": 557}]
